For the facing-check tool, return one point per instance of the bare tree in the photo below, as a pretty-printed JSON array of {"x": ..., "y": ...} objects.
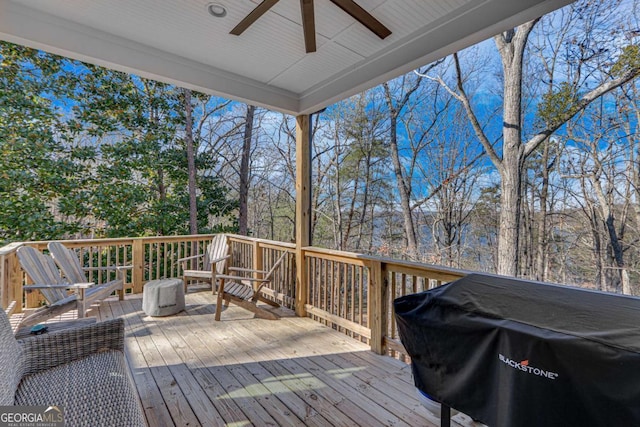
[
  {"x": 354, "y": 153},
  {"x": 404, "y": 97},
  {"x": 397, "y": 99},
  {"x": 451, "y": 168},
  {"x": 562, "y": 105},
  {"x": 602, "y": 159}
]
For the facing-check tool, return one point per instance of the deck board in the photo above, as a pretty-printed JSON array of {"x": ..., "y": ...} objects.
[
  {"x": 269, "y": 411},
  {"x": 360, "y": 406},
  {"x": 154, "y": 405},
  {"x": 193, "y": 371},
  {"x": 376, "y": 387},
  {"x": 243, "y": 354}
]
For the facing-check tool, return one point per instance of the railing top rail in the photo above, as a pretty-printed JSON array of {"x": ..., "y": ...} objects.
[
  {"x": 239, "y": 237},
  {"x": 389, "y": 261},
  {"x": 12, "y": 247},
  {"x": 117, "y": 240}
]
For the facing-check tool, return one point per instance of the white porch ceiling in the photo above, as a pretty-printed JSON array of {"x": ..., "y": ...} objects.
[{"x": 178, "y": 42}]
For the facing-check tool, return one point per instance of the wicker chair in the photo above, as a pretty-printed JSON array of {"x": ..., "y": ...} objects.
[{"x": 82, "y": 370}]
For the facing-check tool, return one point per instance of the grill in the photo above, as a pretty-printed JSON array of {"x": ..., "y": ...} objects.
[{"x": 510, "y": 352}]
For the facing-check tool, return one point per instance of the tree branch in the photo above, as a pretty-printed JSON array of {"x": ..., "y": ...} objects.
[
  {"x": 486, "y": 144},
  {"x": 582, "y": 103}
]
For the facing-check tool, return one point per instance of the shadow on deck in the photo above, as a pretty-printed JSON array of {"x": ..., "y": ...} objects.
[{"x": 191, "y": 370}]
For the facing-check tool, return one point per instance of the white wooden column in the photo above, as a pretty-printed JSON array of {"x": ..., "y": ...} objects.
[{"x": 303, "y": 208}]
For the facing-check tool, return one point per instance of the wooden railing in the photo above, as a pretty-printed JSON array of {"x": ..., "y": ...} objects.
[
  {"x": 261, "y": 254},
  {"x": 354, "y": 292},
  {"x": 349, "y": 292},
  {"x": 151, "y": 258}
]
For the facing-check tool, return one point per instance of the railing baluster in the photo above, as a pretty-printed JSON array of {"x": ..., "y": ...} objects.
[
  {"x": 325, "y": 293},
  {"x": 158, "y": 263},
  {"x": 137, "y": 274},
  {"x": 344, "y": 313},
  {"x": 314, "y": 289},
  {"x": 354, "y": 290},
  {"x": 377, "y": 305},
  {"x": 361, "y": 294},
  {"x": 257, "y": 258}
]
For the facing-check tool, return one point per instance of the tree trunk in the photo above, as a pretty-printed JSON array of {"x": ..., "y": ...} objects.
[
  {"x": 600, "y": 278},
  {"x": 620, "y": 279},
  {"x": 403, "y": 183},
  {"x": 244, "y": 171},
  {"x": 543, "y": 245},
  {"x": 511, "y": 46},
  {"x": 403, "y": 190},
  {"x": 527, "y": 221},
  {"x": 510, "y": 204},
  {"x": 337, "y": 195},
  {"x": 365, "y": 201},
  {"x": 191, "y": 162}
]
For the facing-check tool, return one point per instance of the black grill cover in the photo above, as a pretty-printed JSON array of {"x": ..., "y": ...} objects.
[{"x": 515, "y": 353}]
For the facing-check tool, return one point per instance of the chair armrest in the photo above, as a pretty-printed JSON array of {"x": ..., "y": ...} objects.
[
  {"x": 213, "y": 261},
  {"x": 248, "y": 279},
  {"x": 190, "y": 257},
  {"x": 47, "y": 351},
  {"x": 107, "y": 268},
  {"x": 84, "y": 285},
  {"x": 247, "y": 270},
  {"x": 36, "y": 286}
]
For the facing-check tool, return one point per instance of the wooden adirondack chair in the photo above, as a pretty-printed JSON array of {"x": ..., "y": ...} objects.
[
  {"x": 241, "y": 290},
  {"x": 214, "y": 262},
  {"x": 75, "y": 273},
  {"x": 54, "y": 288}
]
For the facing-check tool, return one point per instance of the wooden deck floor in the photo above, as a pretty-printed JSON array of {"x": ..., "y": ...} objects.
[{"x": 191, "y": 370}]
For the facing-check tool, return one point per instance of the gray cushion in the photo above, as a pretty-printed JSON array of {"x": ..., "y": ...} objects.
[
  {"x": 94, "y": 391},
  {"x": 163, "y": 297},
  {"x": 10, "y": 361}
]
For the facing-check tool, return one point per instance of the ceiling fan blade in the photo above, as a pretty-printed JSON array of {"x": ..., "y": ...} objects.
[
  {"x": 252, "y": 17},
  {"x": 364, "y": 17},
  {"x": 308, "y": 25}
]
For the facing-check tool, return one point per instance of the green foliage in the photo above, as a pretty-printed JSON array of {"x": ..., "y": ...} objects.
[
  {"x": 83, "y": 148},
  {"x": 629, "y": 60},
  {"x": 557, "y": 104},
  {"x": 141, "y": 177},
  {"x": 40, "y": 185}
]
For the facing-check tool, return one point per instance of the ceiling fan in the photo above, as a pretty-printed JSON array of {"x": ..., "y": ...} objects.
[{"x": 308, "y": 20}]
